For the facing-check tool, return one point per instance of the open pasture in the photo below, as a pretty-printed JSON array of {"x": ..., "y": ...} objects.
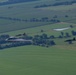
[{"x": 32, "y": 60}]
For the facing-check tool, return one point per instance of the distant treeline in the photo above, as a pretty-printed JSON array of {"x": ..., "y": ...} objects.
[
  {"x": 56, "y": 4},
  {"x": 15, "y": 1},
  {"x": 43, "y": 19}
]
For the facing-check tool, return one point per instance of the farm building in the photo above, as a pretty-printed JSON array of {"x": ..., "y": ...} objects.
[{"x": 15, "y": 39}]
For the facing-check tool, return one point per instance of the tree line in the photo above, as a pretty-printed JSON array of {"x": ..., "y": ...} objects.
[
  {"x": 38, "y": 40},
  {"x": 43, "y": 19},
  {"x": 56, "y": 4}
]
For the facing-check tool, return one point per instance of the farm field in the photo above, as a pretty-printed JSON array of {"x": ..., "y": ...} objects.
[
  {"x": 48, "y": 29},
  {"x": 13, "y": 17},
  {"x": 36, "y": 60},
  {"x": 32, "y": 60},
  {"x": 20, "y": 18}
]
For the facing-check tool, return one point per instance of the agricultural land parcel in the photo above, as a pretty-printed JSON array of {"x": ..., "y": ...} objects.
[{"x": 34, "y": 60}]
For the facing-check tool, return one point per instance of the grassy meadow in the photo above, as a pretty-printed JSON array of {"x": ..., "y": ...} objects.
[{"x": 35, "y": 60}]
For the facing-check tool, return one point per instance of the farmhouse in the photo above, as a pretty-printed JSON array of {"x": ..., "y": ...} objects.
[{"x": 15, "y": 39}]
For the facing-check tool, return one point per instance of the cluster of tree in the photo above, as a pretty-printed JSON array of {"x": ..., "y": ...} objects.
[
  {"x": 62, "y": 35},
  {"x": 2, "y": 38},
  {"x": 14, "y": 44},
  {"x": 56, "y": 4},
  {"x": 15, "y": 1},
  {"x": 40, "y": 40},
  {"x": 9, "y": 18},
  {"x": 44, "y": 19},
  {"x": 43, "y": 40},
  {"x": 67, "y": 35},
  {"x": 73, "y": 33},
  {"x": 6, "y": 43}
]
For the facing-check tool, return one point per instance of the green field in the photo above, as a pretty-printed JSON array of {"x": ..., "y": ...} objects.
[
  {"x": 32, "y": 60},
  {"x": 27, "y": 11},
  {"x": 48, "y": 29},
  {"x": 36, "y": 60}
]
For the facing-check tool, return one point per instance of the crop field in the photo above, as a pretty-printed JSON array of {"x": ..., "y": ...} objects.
[
  {"x": 48, "y": 29},
  {"x": 36, "y": 60},
  {"x": 13, "y": 17}
]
